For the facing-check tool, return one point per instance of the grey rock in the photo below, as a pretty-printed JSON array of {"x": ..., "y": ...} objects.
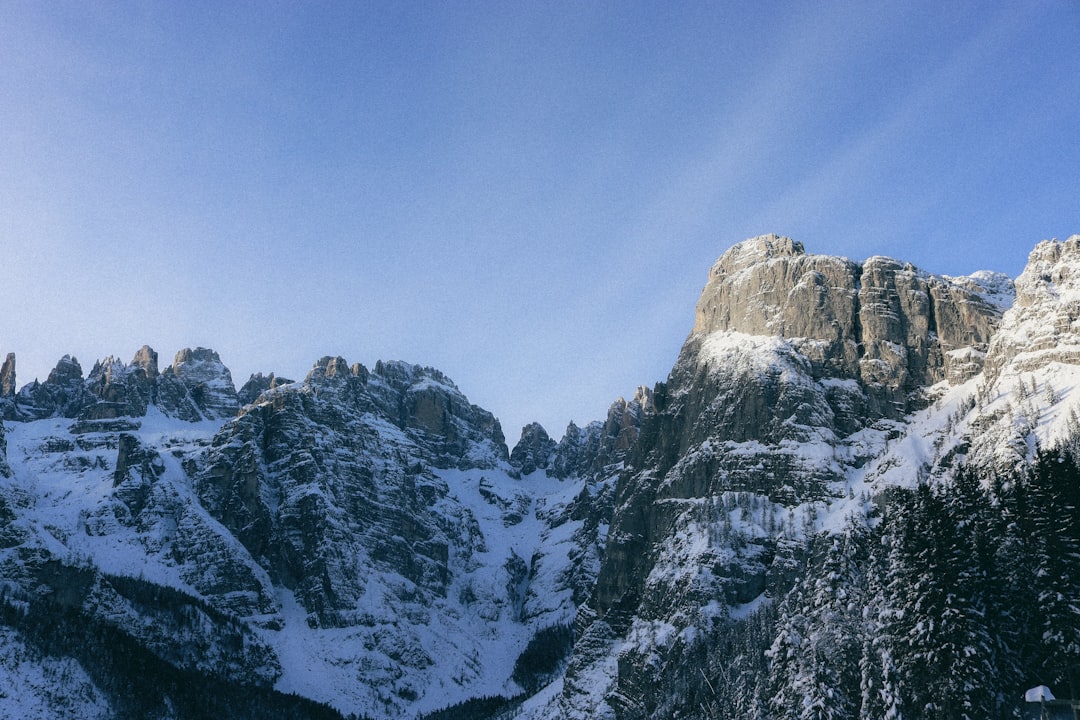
[
  {"x": 7, "y": 377},
  {"x": 121, "y": 390},
  {"x": 1042, "y": 325},
  {"x": 534, "y": 451},
  {"x": 5, "y": 469},
  {"x": 603, "y": 445},
  {"x": 135, "y": 471},
  {"x": 257, "y": 384},
  {"x": 426, "y": 402},
  {"x": 319, "y": 478},
  {"x": 8, "y": 400},
  {"x": 887, "y": 324},
  {"x": 196, "y": 386},
  {"x": 63, "y": 393},
  {"x": 789, "y": 357}
]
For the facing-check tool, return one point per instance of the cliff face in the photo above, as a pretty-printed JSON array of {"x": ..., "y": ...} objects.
[
  {"x": 1044, "y": 325},
  {"x": 884, "y": 323}
]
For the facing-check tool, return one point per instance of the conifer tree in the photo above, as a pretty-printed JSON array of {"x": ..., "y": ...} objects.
[{"x": 1055, "y": 513}]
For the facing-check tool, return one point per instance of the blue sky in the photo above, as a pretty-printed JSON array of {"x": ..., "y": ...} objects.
[{"x": 527, "y": 196}]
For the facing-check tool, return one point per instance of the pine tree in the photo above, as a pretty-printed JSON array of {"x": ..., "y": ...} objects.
[
  {"x": 1055, "y": 512},
  {"x": 815, "y": 673},
  {"x": 936, "y": 629}
]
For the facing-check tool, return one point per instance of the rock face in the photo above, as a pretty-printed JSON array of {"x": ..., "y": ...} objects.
[
  {"x": 534, "y": 451},
  {"x": 1044, "y": 326},
  {"x": 121, "y": 390},
  {"x": 5, "y": 470},
  {"x": 197, "y": 386},
  {"x": 308, "y": 483},
  {"x": 63, "y": 393},
  {"x": 7, "y": 377},
  {"x": 257, "y": 384},
  {"x": 886, "y": 324}
]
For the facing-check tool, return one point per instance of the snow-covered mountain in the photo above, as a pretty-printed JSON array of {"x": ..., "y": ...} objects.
[{"x": 362, "y": 541}]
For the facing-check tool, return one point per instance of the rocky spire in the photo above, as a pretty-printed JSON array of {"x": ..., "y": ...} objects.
[
  {"x": 198, "y": 385},
  {"x": 147, "y": 359},
  {"x": 7, "y": 376},
  {"x": 534, "y": 450}
]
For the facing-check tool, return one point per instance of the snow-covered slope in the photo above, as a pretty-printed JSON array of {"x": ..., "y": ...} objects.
[{"x": 366, "y": 531}]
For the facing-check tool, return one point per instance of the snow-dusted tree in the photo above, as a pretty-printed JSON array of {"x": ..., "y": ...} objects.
[
  {"x": 936, "y": 627},
  {"x": 1054, "y": 502},
  {"x": 815, "y": 673}
]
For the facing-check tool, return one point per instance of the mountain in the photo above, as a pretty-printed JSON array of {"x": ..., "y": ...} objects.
[{"x": 845, "y": 457}]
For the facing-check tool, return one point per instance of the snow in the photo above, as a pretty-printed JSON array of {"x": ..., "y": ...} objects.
[
  {"x": 757, "y": 354},
  {"x": 454, "y": 650},
  {"x": 33, "y": 685},
  {"x": 1038, "y": 694}
]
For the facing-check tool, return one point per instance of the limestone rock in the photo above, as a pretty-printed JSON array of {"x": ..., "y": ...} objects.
[
  {"x": 534, "y": 450},
  {"x": 886, "y": 324},
  {"x": 63, "y": 393},
  {"x": 576, "y": 451},
  {"x": 135, "y": 471},
  {"x": 318, "y": 474},
  {"x": 429, "y": 403},
  {"x": 1043, "y": 325},
  {"x": 257, "y": 384},
  {"x": 7, "y": 377},
  {"x": 792, "y": 360},
  {"x": 5, "y": 469},
  {"x": 197, "y": 385},
  {"x": 585, "y": 452},
  {"x": 122, "y": 390}
]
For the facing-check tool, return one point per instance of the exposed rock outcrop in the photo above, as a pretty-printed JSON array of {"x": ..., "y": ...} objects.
[
  {"x": 196, "y": 386},
  {"x": 1044, "y": 324},
  {"x": 63, "y": 393},
  {"x": 793, "y": 364},
  {"x": 892, "y": 327},
  {"x": 121, "y": 390},
  {"x": 534, "y": 451},
  {"x": 320, "y": 473},
  {"x": 7, "y": 377},
  {"x": 257, "y": 384}
]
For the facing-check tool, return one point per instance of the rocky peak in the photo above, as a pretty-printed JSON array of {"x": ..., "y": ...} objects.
[
  {"x": 67, "y": 371},
  {"x": 886, "y": 324},
  {"x": 755, "y": 251},
  {"x": 329, "y": 368},
  {"x": 7, "y": 376},
  {"x": 257, "y": 384},
  {"x": 198, "y": 385},
  {"x": 603, "y": 444},
  {"x": 147, "y": 359},
  {"x": 576, "y": 451},
  {"x": 63, "y": 392},
  {"x": 791, "y": 357},
  {"x": 1043, "y": 325},
  {"x": 534, "y": 451},
  {"x": 121, "y": 390}
]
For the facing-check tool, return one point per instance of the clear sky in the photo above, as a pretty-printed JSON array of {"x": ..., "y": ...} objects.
[{"x": 526, "y": 195}]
